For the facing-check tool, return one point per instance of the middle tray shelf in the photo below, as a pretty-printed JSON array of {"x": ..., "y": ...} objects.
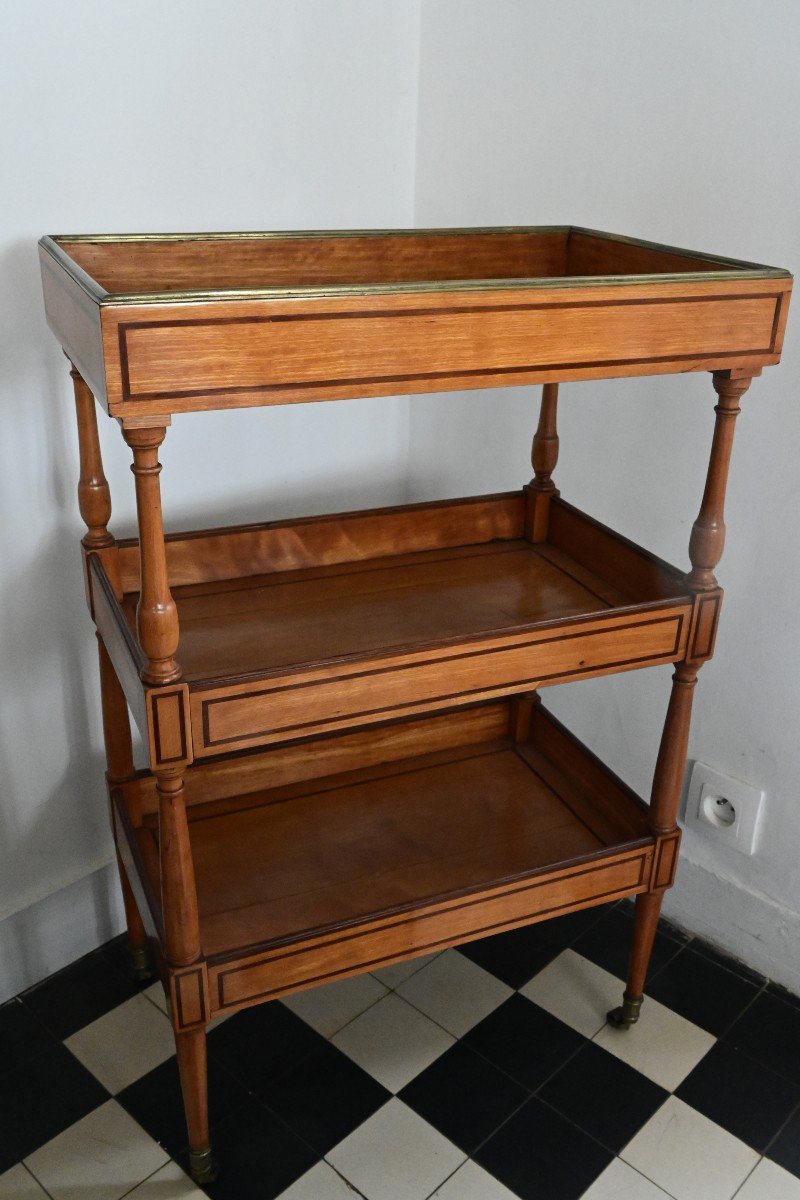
[
  {"x": 299, "y": 628},
  {"x": 317, "y": 859}
]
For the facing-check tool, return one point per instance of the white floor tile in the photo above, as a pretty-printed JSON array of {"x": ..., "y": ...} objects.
[
  {"x": 320, "y": 1183},
  {"x": 19, "y": 1184},
  {"x": 169, "y": 1183},
  {"x": 125, "y": 1044},
  {"x": 576, "y": 991},
  {"x": 156, "y": 995},
  {"x": 397, "y": 972},
  {"x": 768, "y": 1182},
  {"x": 395, "y": 1155},
  {"x": 454, "y": 992},
  {"x": 393, "y": 1041},
  {"x": 103, "y": 1156},
  {"x": 621, "y": 1182},
  {"x": 471, "y": 1182},
  {"x": 662, "y": 1045},
  {"x": 329, "y": 1008},
  {"x": 689, "y": 1156}
]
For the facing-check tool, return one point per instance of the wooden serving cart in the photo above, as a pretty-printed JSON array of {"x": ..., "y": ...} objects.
[{"x": 349, "y": 763}]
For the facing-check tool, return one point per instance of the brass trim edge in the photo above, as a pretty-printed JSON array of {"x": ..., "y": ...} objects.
[{"x": 734, "y": 269}]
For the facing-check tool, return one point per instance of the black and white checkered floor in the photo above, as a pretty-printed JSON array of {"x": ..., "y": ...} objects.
[{"x": 485, "y": 1073}]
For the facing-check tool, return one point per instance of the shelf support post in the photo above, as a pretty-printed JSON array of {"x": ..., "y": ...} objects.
[
  {"x": 707, "y": 540},
  {"x": 120, "y": 768},
  {"x": 94, "y": 497},
  {"x": 706, "y": 544},
  {"x": 157, "y": 627},
  {"x": 544, "y": 456},
  {"x": 664, "y": 803},
  {"x": 183, "y": 950},
  {"x": 156, "y": 614}
]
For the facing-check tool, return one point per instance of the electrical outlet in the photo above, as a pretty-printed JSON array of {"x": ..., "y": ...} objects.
[{"x": 723, "y": 808}]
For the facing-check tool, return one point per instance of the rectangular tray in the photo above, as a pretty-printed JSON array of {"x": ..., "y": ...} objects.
[
  {"x": 167, "y": 323},
  {"x": 301, "y": 627},
  {"x": 499, "y": 819}
]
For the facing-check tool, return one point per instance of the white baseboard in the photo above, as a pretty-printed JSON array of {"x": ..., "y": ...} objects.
[
  {"x": 751, "y": 927},
  {"x": 53, "y": 932}
]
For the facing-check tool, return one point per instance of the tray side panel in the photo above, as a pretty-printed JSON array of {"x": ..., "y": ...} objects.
[
  {"x": 234, "y": 553},
  {"x": 553, "y": 893},
  {"x": 74, "y": 317},
  {"x": 234, "y": 776},
  {"x": 167, "y": 265},
  {"x": 278, "y": 708},
  {"x": 199, "y": 360}
]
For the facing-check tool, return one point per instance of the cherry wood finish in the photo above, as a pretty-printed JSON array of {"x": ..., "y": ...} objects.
[
  {"x": 166, "y": 324},
  {"x": 348, "y": 760},
  {"x": 156, "y": 615},
  {"x": 94, "y": 497}
]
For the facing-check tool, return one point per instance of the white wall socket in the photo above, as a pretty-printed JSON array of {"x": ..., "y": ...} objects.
[{"x": 723, "y": 808}]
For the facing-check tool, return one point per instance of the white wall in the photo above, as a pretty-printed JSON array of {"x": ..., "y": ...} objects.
[
  {"x": 675, "y": 122},
  {"x": 174, "y": 116}
]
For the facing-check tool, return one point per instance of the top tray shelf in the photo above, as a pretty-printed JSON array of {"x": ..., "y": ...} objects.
[{"x": 169, "y": 323}]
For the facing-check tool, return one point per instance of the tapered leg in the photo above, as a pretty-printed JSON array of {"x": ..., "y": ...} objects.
[
  {"x": 119, "y": 760},
  {"x": 648, "y": 908},
  {"x": 544, "y": 456},
  {"x": 192, "y": 1067},
  {"x": 141, "y": 964},
  {"x": 664, "y": 802},
  {"x": 182, "y": 935}
]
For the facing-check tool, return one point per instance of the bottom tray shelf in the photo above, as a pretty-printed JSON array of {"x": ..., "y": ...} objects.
[{"x": 509, "y": 819}]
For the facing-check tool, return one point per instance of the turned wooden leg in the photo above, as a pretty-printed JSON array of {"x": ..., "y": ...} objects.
[
  {"x": 182, "y": 937},
  {"x": 706, "y": 544},
  {"x": 192, "y": 1068},
  {"x": 156, "y": 614},
  {"x": 708, "y": 532},
  {"x": 544, "y": 457},
  {"x": 119, "y": 761},
  {"x": 664, "y": 802},
  {"x": 94, "y": 497}
]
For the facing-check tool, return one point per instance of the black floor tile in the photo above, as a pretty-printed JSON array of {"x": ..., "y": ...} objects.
[
  {"x": 769, "y": 1031},
  {"x": 325, "y": 1097},
  {"x": 524, "y": 1041},
  {"x": 78, "y": 995},
  {"x": 785, "y": 1150},
  {"x": 782, "y": 993},
  {"x": 41, "y": 1099},
  {"x": 155, "y": 1101},
  {"x": 725, "y": 960},
  {"x": 516, "y": 956},
  {"x": 540, "y": 1155},
  {"x": 258, "y": 1156},
  {"x": 22, "y": 1037},
  {"x": 263, "y": 1043},
  {"x": 463, "y": 1096},
  {"x": 603, "y": 1096},
  {"x": 116, "y": 952},
  {"x": 702, "y": 991},
  {"x": 740, "y": 1094},
  {"x": 608, "y": 943}
]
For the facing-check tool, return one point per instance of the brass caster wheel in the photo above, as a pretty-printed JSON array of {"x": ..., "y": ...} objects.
[
  {"x": 140, "y": 964},
  {"x": 627, "y": 1014},
  {"x": 202, "y": 1166}
]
